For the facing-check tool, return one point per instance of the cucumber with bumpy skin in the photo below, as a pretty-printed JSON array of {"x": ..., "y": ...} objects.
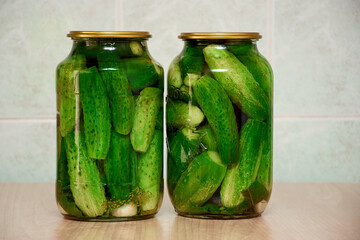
[
  {"x": 199, "y": 181},
  {"x": 140, "y": 71},
  {"x": 96, "y": 110},
  {"x": 238, "y": 82},
  {"x": 121, "y": 99},
  {"x": 150, "y": 172},
  {"x": 219, "y": 112},
  {"x": 180, "y": 114},
  {"x": 257, "y": 65},
  {"x": 66, "y": 75},
  {"x": 120, "y": 167},
  {"x": 147, "y": 108},
  {"x": 63, "y": 193},
  {"x": 261, "y": 71},
  {"x": 239, "y": 177},
  {"x": 85, "y": 182}
]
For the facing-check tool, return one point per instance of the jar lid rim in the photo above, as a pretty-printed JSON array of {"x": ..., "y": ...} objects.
[
  {"x": 220, "y": 35},
  {"x": 109, "y": 34}
]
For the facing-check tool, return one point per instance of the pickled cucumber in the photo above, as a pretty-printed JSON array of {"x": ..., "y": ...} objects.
[
  {"x": 257, "y": 65},
  {"x": 121, "y": 99},
  {"x": 67, "y": 73},
  {"x": 147, "y": 108},
  {"x": 96, "y": 111},
  {"x": 63, "y": 193},
  {"x": 238, "y": 82},
  {"x": 120, "y": 167},
  {"x": 150, "y": 172},
  {"x": 239, "y": 177},
  {"x": 219, "y": 112},
  {"x": 85, "y": 182},
  {"x": 199, "y": 181}
]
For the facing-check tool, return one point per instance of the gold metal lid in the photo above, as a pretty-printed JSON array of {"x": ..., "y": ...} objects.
[
  {"x": 220, "y": 35},
  {"x": 111, "y": 34}
]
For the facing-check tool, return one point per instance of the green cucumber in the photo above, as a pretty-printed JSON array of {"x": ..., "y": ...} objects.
[
  {"x": 96, "y": 110},
  {"x": 238, "y": 82},
  {"x": 257, "y": 65},
  {"x": 199, "y": 181},
  {"x": 261, "y": 188},
  {"x": 147, "y": 108},
  {"x": 85, "y": 182},
  {"x": 180, "y": 114},
  {"x": 174, "y": 74},
  {"x": 219, "y": 112},
  {"x": 120, "y": 167},
  {"x": 239, "y": 177},
  {"x": 150, "y": 172},
  {"x": 208, "y": 139},
  {"x": 63, "y": 193},
  {"x": 192, "y": 61},
  {"x": 121, "y": 99},
  {"x": 66, "y": 74},
  {"x": 140, "y": 71}
]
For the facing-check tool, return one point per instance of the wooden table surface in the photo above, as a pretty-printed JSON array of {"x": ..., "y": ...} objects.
[{"x": 296, "y": 211}]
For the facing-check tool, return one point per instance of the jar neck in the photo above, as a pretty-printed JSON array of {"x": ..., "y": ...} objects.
[
  {"x": 88, "y": 45},
  {"x": 246, "y": 44}
]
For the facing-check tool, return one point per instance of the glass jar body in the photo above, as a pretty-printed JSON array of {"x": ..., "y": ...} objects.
[
  {"x": 109, "y": 160},
  {"x": 219, "y": 129}
]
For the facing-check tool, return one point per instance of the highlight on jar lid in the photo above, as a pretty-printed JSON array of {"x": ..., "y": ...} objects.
[
  {"x": 108, "y": 34},
  {"x": 220, "y": 35}
]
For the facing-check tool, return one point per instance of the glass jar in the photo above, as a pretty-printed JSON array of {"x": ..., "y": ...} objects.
[
  {"x": 109, "y": 128},
  {"x": 219, "y": 127}
]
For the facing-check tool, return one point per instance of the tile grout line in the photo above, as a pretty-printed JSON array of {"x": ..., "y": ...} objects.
[
  {"x": 317, "y": 117},
  {"x": 270, "y": 30},
  {"x": 275, "y": 117}
]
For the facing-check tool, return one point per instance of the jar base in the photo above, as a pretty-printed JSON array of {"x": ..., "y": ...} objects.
[
  {"x": 109, "y": 219},
  {"x": 220, "y": 216}
]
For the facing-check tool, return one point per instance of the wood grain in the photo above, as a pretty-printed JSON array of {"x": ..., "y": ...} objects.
[{"x": 296, "y": 211}]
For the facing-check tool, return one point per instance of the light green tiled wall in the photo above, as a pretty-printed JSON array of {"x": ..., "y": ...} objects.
[{"x": 312, "y": 47}]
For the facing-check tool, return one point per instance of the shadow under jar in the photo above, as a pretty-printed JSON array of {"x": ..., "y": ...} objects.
[
  {"x": 219, "y": 127},
  {"x": 109, "y": 128}
]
